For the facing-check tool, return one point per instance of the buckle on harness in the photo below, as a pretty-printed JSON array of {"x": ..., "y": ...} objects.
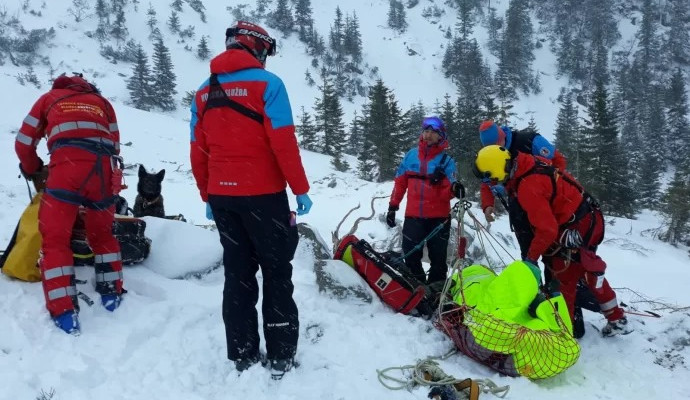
[{"x": 117, "y": 181}]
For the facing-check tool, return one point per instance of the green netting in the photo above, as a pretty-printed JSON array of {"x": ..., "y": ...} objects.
[{"x": 491, "y": 323}]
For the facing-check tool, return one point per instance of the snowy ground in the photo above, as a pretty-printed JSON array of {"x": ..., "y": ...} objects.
[{"x": 167, "y": 339}]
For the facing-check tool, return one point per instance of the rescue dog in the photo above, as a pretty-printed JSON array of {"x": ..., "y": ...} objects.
[{"x": 149, "y": 200}]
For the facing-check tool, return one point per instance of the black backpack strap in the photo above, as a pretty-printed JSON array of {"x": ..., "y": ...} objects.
[
  {"x": 542, "y": 169},
  {"x": 217, "y": 98}
]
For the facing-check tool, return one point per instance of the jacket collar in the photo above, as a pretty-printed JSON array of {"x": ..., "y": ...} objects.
[{"x": 233, "y": 60}]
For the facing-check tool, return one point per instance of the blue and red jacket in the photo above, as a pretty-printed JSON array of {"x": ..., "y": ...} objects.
[
  {"x": 424, "y": 198},
  {"x": 234, "y": 155}
]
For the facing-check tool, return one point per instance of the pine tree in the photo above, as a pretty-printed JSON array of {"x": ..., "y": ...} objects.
[
  {"x": 568, "y": 132},
  {"x": 517, "y": 47},
  {"x": 176, "y": 5},
  {"x": 384, "y": 134},
  {"x": 103, "y": 14},
  {"x": 678, "y": 127},
  {"x": 202, "y": 51},
  {"x": 396, "y": 16},
  {"x": 465, "y": 139},
  {"x": 356, "y": 136},
  {"x": 140, "y": 83},
  {"x": 174, "y": 22},
  {"x": 119, "y": 29},
  {"x": 412, "y": 124},
  {"x": 329, "y": 121},
  {"x": 164, "y": 79},
  {"x": 676, "y": 209},
  {"x": 152, "y": 23},
  {"x": 303, "y": 18},
  {"x": 307, "y": 132},
  {"x": 677, "y": 43},
  {"x": 352, "y": 39},
  {"x": 337, "y": 33},
  {"x": 605, "y": 173},
  {"x": 281, "y": 18}
]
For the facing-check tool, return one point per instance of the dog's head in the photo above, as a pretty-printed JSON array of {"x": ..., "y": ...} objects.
[{"x": 149, "y": 186}]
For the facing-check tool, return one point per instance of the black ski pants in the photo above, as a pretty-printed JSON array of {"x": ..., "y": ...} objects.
[
  {"x": 255, "y": 231},
  {"x": 414, "y": 231}
]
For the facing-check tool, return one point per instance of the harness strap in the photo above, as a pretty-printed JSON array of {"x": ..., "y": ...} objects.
[
  {"x": 218, "y": 98},
  {"x": 75, "y": 198},
  {"x": 95, "y": 145}
]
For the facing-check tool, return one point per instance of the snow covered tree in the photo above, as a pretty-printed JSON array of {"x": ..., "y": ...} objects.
[
  {"x": 384, "y": 137},
  {"x": 174, "y": 22},
  {"x": 281, "y": 19},
  {"x": 164, "y": 79},
  {"x": 604, "y": 167},
  {"x": 307, "y": 132},
  {"x": 152, "y": 23},
  {"x": 202, "y": 50},
  {"x": 397, "y": 19},
  {"x": 303, "y": 18},
  {"x": 118, "y": 30},
  {"x": 140, "y": 83},
  {"x": 329, "y": 121},
  {"x": 568, "y": 132}
]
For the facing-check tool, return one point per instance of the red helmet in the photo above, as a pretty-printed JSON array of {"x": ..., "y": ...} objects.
[{"x": 252, "y": 38}]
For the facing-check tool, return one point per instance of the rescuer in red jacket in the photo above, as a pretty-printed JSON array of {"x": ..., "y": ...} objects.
[
  {"x": 244, "y": 154},
  {"x": 83, "y": 140},
  {"x": 567, "y": 223}
]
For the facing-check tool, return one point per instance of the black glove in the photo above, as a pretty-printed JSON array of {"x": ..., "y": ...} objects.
[
  {"x": 390, "y": 217},
  {"x": 31, "y": 175},
  {"x": 458, "y": 190}
]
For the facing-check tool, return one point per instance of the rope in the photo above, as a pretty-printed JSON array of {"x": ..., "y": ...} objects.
[
  {"x": 428, "y": 373},
  {"x": 421, "y": 244}
]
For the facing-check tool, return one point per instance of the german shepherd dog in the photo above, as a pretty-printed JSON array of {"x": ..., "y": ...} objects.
[{"x": 149, "y": 200}]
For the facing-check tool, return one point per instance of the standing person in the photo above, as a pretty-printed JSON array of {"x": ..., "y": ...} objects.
[
  {"x": 427, "y": 173},
  {"x": 83, "y": 141},
  {"x": 567, "y": 222},
  {"x": 243, "y": 153}
]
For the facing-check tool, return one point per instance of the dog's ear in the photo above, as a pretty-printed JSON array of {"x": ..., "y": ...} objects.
[
  {"x": 160, "y": 175},
  {"x": 142, "y": 171}
]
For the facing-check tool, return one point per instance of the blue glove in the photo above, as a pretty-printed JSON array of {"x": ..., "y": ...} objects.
[
  {"x": 304, "y": 204},
  {"x": 498, "y": 190},
  {"x": 209, "y": 213}
]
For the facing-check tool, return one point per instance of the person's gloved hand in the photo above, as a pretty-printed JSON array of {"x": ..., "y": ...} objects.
[
  {"x": 209, "y": 213},
  {"x": 32, "y": 175},
  {"x": 498, "y": 190},
  {"x": 390, "y": 216},
  {"x": 489, "y": 214},
  {"x": 571, "y": 239},
  {"x": 458, "y": 190},
  {"x": 304, "y": 204}
]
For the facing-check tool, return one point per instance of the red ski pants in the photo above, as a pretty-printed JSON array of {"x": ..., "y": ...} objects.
[
  {"x": 581, "y": 267},
  {"x": 56, "y": 218}
]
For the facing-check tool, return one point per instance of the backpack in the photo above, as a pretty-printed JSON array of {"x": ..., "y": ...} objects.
[
  {"x": 129, "y": 232},
  {"x": 21, "y": 256},
  {"x": 389, "y": 278}
]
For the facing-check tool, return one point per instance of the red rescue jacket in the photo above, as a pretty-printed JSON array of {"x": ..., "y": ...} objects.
[
  {"x": 545, "y": 210},
  {"x": 71, "y": 110},
  {"x": 234, "y": 155}
]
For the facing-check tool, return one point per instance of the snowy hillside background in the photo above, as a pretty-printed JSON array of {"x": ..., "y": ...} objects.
[{"x": 167, "y": 339}]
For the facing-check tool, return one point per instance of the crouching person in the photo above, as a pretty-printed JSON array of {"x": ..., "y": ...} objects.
[
  {"x": 567, "y": 223},
  {"x": 83, "y": 141}
]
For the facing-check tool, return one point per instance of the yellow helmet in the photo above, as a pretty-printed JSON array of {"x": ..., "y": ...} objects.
[{"x": 493, "y": 163}]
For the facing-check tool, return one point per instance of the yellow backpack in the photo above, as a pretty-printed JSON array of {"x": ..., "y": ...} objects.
[{"x": 20, "y": 260}]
